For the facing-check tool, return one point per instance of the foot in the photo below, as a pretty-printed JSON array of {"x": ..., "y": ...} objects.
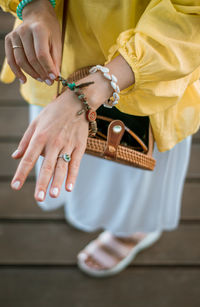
[{"x": 110, "y": 254}]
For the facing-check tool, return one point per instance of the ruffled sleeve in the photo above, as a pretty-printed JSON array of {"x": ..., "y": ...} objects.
[
  {"x": 163, "y": 50},
  {"x": 9, "y": 6}
]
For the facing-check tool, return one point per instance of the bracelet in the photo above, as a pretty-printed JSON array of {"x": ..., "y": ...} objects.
[
  {"x": 111, "y": 102},
  {"x": 23, "y": 3},
  {"x": 91, "y": 114}
]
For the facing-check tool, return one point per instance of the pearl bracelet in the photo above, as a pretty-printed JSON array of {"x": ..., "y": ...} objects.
[
  {"x": 23, "y": 3},
  {"x": 111, "y": 102}
]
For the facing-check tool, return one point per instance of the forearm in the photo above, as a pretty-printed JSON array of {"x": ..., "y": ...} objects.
[{"x": 101, "y": 90}]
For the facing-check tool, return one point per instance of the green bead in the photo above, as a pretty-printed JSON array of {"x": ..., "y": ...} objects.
[{"x": 71, "y": 86}]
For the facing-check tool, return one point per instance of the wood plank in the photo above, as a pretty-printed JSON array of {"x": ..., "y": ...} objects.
[
  {"x": 194, "y": 165},
  {"x": 196, "y": 136},
  {"x": 190, "y": 202},
  {"x": 13, "y": 121},
  {"x": 8, "y": 165},
  {"x": 68, "y": 287},
  {"x": 59, "y": 243},
  {"x": 22, "y": 205}
]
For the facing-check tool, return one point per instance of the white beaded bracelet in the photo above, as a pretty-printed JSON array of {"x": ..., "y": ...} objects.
[{"x": 113, "y": 81}]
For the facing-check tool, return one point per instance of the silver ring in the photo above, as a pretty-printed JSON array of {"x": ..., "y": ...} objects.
[
  {"x": 16, "y": 47},
  {"x": 65, "y": 157}
]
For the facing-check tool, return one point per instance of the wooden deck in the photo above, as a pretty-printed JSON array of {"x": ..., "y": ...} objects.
[{"x": 38, "y": 249}]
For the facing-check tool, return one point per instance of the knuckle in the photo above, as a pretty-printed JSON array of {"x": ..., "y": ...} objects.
[
  {"x": 36, "y": 26},
  {"x": 47, "y": 167},
  {"x": 28, "y": 161},
  {"x": 75, "y": 166},
  {"x": 14, "y": 34},
  {"x": 41, "y": 137},
  {"x": 22, "y": 30},
  {"x": 57, "y": 142},
  {"x": 7, "y": 37},
  {"x": 61, "y": 166}
]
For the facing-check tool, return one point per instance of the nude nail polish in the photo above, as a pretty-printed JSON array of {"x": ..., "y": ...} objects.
[
  {"x": 41, "y": 195},
  {"x": 15, "y": 184},
  {"x": 15, "y": 153},
  {"x": 48, "y": 82},
  {"x": 52, "y": 76},
  {"x": 39, "y": 79},
  {"x": 70, "y": 186},
  {"x": 55, "y": 191}
]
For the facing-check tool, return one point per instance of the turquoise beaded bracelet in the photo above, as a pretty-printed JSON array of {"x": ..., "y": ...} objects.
[{"x": 23, "y": 3}]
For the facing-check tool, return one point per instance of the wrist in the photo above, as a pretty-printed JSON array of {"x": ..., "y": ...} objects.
[
  {"x": 72, "y": 104},
  {"x": 98, "y": 92},
  {"x": 35, "y": 7}
]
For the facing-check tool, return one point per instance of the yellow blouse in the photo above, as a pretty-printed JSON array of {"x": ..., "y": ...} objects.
[{"x": 160, "y": 39}]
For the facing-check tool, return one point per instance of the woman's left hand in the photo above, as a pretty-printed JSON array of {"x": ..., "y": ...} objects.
[{"x": 56, "y": 130}]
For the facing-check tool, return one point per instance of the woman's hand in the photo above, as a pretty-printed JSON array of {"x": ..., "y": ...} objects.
[
  {"x": 40, "y": 39},
  {"x": 56, "y": 130}
]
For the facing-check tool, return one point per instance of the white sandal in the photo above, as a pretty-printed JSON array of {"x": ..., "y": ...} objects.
[{"x": 110, "y": 254}]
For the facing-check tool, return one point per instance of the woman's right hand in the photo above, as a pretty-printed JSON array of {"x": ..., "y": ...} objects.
[{"x": 40, "y": 38}]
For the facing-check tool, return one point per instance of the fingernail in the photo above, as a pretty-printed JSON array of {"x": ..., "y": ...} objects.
[
  {"x": 52, "y": 76},
  {"x": 15, "y": 184},
  {"x": 15, "y": 153},
  {"x": 55, "y": 191},
  {"x": 41, "y": 195},
  {"x": 39, "y": 79},
  {"x": 48, "y": 82},
  {"x": 21, "y": 81},
  {"x": 69, "y": 186}
]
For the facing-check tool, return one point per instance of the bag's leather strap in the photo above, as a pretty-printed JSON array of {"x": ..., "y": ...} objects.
[
  {"x": 64, "y": 23},
  {"x": 144, "y": 147}
]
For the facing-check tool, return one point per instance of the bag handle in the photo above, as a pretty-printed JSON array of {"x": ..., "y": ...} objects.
[{"x": 64, "y": 23}]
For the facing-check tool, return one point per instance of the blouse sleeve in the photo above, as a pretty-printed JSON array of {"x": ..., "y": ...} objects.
[
  {"x": 9, "y": 6},
  {"x": 163, "y": 51}
]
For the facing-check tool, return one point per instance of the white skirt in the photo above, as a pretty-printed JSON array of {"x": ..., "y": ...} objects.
[{"x": 120, "y": 198}]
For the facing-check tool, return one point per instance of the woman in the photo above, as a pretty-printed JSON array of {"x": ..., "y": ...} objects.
[{"x": 149, "y": 47}]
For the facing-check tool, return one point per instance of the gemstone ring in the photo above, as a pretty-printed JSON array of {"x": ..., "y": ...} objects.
[{"x": 65, "y": 157}]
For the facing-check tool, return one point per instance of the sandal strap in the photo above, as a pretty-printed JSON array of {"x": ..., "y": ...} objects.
[
  {"x": 102, "y": 257},
  {"x": 120, "y": 249}
]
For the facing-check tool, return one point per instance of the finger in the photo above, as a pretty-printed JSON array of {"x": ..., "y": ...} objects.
[
  {"x": 27, "y": 41},
  {"x": 28, "y": 161},
  {"x": 43, "y": 55},
  {"x": 56, "y": 55},
  {"x": 11, "y": 60},
  {"x": 46, "y": 172},
  {"x": 59, "y": 174},
  {"x": 21, "y": 59},
  {"x": 73, "y": 168},
  {"x": 23, "y": 144}
]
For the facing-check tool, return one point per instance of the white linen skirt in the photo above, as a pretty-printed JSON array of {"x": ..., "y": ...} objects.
[{"x": 120, "y": 198}]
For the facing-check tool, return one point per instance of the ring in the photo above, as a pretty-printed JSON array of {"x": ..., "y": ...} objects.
[
  {"x": 16, "y": 47},
  {"x": 65, "y": 157}
]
